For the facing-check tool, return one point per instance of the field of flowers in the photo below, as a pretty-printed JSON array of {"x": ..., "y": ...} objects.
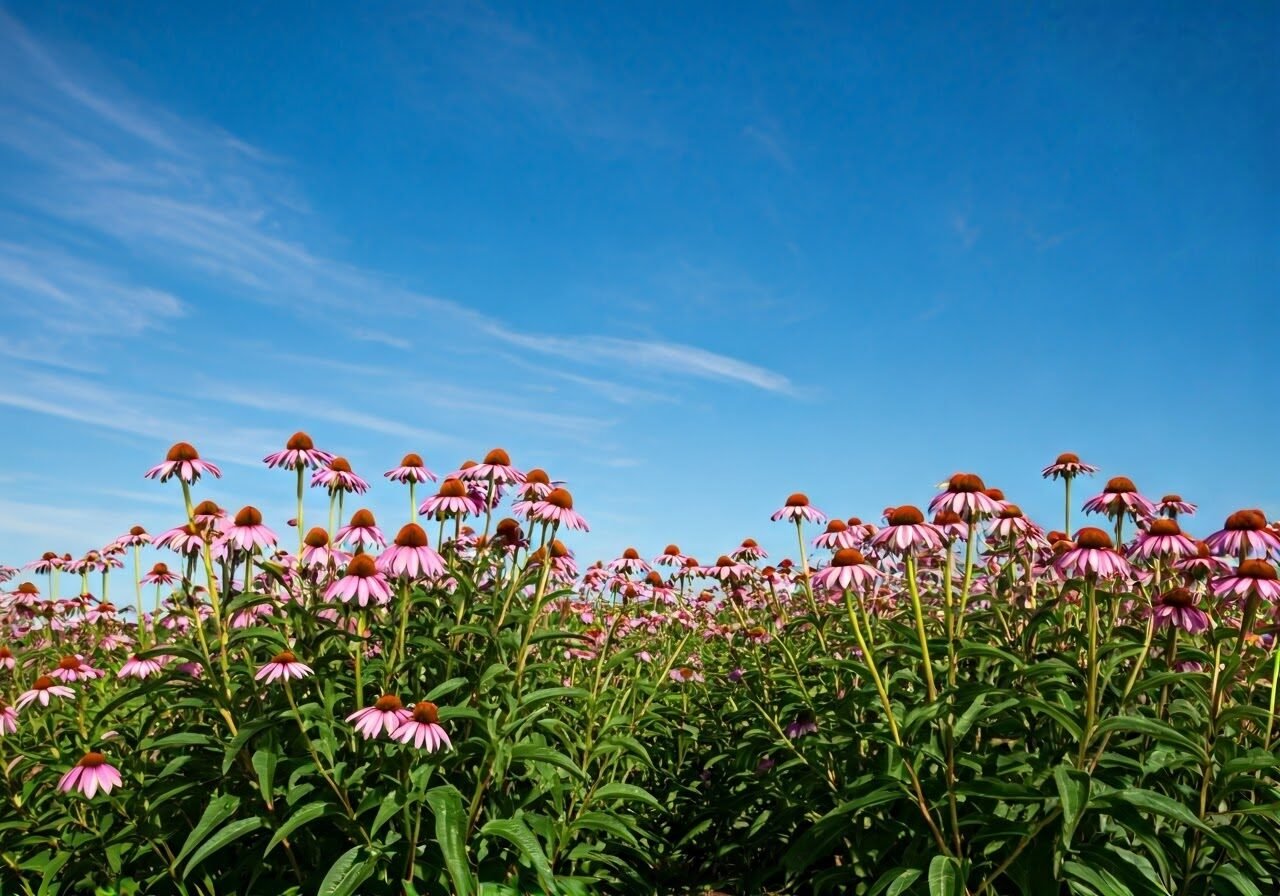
[{"x": 944, "y": 701}]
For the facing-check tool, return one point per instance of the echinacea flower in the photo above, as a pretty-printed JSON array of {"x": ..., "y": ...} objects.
[
  {"x": 1163, "y": 538},
  {"x": 1173, "y": 505},
  {"x": 26, "y": 594},
  {"x": 749, "y": 551},
  {"x": 135, "y": 538},
  {"x": 317, "y": 553},
  {"x": 562, "y": 562},
  {"x": 495, "y": 468},
  {"x": 726, "y": 569},
  {"x": 362, "y": 530},
  {"x": 284, "y": 665},
  {"x": 411, "y": 556},
  {"x": 361, "y": 583},
  {"x": 1245, "y": 532},
  {"x": 159, "y": 575},
  {"x": 453, "y": 499},
  {"x": 685, "y": 674},
  {"x": 1067, "y": 466},
  {"x": 1119, "y": 497},
  {"x": 848, "y": 569},
  {"x": 423, "y": 728},
  {"x": 48, "y": 563},
  {"x": 42, "y": 689},
  {"x": 6, "y": 658},
  {"x": 248, "y": 533},
  {"x": 184, "y": 462},
  {"x": 837, "y": 536},
  {"x": 965, "y": 496},
  {"x": 797, "y": 509},
  {"x": 1177, "y": 608},
  {"x": 89, "y": 775},
  {"x": 385, "y": 716},
  {"x": 1093, "y": 554},
  {"x": 537, "y": 485},
  {"x": 299, "y": 452},
  {"x": 8, "y": 719},
  {"x": 907, "y": 532},
  {"x": 184, "y": 539},
  {"x": 628, "y": 564},
  {"x": 670, "y": 556},
  {"x": 336, "y": 476},
  {"x": 1252, "y": 578},
  {"x": 73, "y": 668},
  {"x": 557, "y": 508},
  {"x": 411, "y": 469},
  {"x": 139, "y": 667}
]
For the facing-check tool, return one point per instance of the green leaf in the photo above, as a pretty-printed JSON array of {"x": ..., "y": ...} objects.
[
  {"x": 228, "y": 834},
  {"x": 1073, "y": 793},
  {"x": 618, "y": 791},
  {"x": 220, "y": 808},
  {"x": 346, "y": 874},
  {"x": 1153, "y": 728},
  {"x": 444, "y": 688},
  {"x": 309, "y": 812},
  {"x": 1150, "y": 801},
  {"x": 537, "y": 753},
  {"x": 903, "y": 881},
  {"x": 1234, "y": 877},
  {"x": 944, "y": 877},
  {"x": 515, "y": 831},
  {"x": 264, "y": 763},
  {"x": 451, "y": 820}
]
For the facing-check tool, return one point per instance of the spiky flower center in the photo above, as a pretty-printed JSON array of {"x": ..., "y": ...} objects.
[
  {"x": 558, "y": 550},
  {"x": 560, "y": 497},
  {"x": 92, "y": 760},
  {"x": 837, "y": 525},
  {"x": 1164, "y": 527},
  {"x": 1178, "y": 597},
  {"x": 947, "y": 518},
  {"x": 671, "y": 550},
  {"x": 1171, "y": 499},
  {"x": 411, "y": 460},
  {"x": 537, "y": 475},
  {"x": 453, "y": 488},
  {"x": 137, "y": 530},
  {"x": 1246, "y": 521},
  {"x": 300, "y": 441},
  {"x": 1119, "y": 485},
  {"x": 284, "y": 658},
  {"x": 249, "y": 516},
  {"x": 316, "y": 538},
  {"x": 340, "y": 465},
  {"x": 28, "y": 588},
  {"x": 362, "y": 566},
  {"x": 43, "y": 683},
  {"x": 1068, "y": 457},
  {"x": 207, "y": 508},
  {"x": 965, "y": 482},
  {"x": 411, "y": 535},
  {"x": 498, "y": 458},
  {"x": 1093, "y": 538},
  {"x": 654, "y": 579},
  {"x": 725, "y": 560},
  {"x": 363, "y": 519},
  {"x": 1256, "y": 569},
  {"x": 906, "y": 515},
  {"x": 388, "y": 703},
  {"x": 426, "y": 713},
  {"x": 1011, "y": 512},
  {"x": 69, "y": 663},
  {"x": 798, "y": 499},
  {"x": 182, "y": 452},
  {"x": 160, "y": 569},
  {"x": 848, "y": 557}
]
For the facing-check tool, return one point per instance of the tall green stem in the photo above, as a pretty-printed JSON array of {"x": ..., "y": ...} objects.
[{"x": 918, "y": 609}]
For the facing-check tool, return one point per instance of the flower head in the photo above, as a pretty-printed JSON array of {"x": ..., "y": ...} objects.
[
  {"x": 385, "y": 716},
  {"x": 1173, "y": 505},
  {"x": 797, "y": 509},
  {"x": 184, "y": 462},
  {"x": 848, "y": 569},
  {"x": 42, "y": 689},
  {"x": 965, "y": 495},
  {"x": 284, "y": 665},
  {"x": 453, "y": 499},
  {"x": 1092, "y": 554},
  {"x": 89, "y": 775},
  {"x": 1245, "y": 532},
  {"x": 907, "y": 532},
  {"x": 411, "y": 469},
  {"x": 423, "y": 728},
  {"x": 299, "y": 452},
  {"x": 248, "y": 533},
  {"x": 73, "y": 668},
  {"x": 361, "y": 583},
  {"x": 411, "y": 556},
  {"x": 557, "y": 508},
  {"x": 1067, "y": 466},
  {"x": 336, "y": 476},
  {"x": 1119, "y": 497},
  {"x": 495, "y": 468},
  {"x": 8, "y": 719},
  {"x": 1252, "y": 578},
  {"x": 1177, "y": 608},
  {"x": 362, "y": 530},
  {"x": 1163, "y": 538}
]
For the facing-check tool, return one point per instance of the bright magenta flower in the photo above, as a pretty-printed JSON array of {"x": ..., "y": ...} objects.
[
  {"x": 336, "y": 476},
  {"x": 184, "y": 462},
  {"x": 1177, "y": 608},
  {"x": 1120, "y": 496},
  {"x": 299, "y": 452},
  {"x": 557, "y": 507},
  {"x": 1067, "y": 466},
  {"x": 73, "y": 668},
  {"x": 89, "y": 775},
  {"x": 247, "y": 532},
  {"x": 1163, "y": 538},
  {"x": 907, "y": 532},
  {"x": 138, "y": 667},
  {"x": 362, "y": 530},
  {"x": 423, "y": 728},
  {"x": 1093, "y": 554},
  {"x": 1245, "y": 532},
  {"x": 965, "y": 496},
  {"x": 453, "y": 499},
  {"x": 1173, "y": 505},
  {"x": 496, "y": 468},
  {"x": 1250, "y": 578},
  {"x": 8, "y": 719},
  {"x": 411, "y": 556},
  {"x": 362, "y": 583},
  {"x": 159, "y": 575},
  {"x": 848, "y": 569}
]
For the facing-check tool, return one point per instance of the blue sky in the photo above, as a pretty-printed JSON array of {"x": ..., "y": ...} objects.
[{"x": 688, "y": 257}]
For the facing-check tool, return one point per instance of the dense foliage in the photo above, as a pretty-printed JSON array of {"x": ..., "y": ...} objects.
[{"x": 970, "y": 705}]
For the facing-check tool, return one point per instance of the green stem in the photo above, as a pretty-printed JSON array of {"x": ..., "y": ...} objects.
[{"x": 918, "y": 609}]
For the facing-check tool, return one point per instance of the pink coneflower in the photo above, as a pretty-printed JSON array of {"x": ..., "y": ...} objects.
[
  {"x": 951, "y": 525},
  {"x": 90, "y": 562},
  {"x": 299, "y": 452},
  {"x": 159, "y": 575},
  {"x": 685, "y": 674},
  {"x": 907, "y": 532},
  {"x": 26, "y": 594},
  {"x": 247, "y": 532},
  {"x": 103, "y": 611},
  {"x": 208, "y": 513},
  {"x": 336, "y": 476},
  {"x": 1067, "y": 466},
  {"x": 385, "y": 716},
  {"x": 848, "y": 569},
  {"x": 1203, "y": 564},
  {"x": 1177, "y": 608},
  {"x": 8, "y": 719},
  {"x": 1011, "y": 525},
  {"x": 837, "y": 536},
  {"x": 965, "y": 496},
  {"x": 184, "y": 539},
  {"x": 659, "y": 590},
  {"x": 362, "y": 530},
  {"x": 562, "y": 562},
  {"x": 135, "y": 538},
  {"x": 453, "y": 499},
  {"x": 508, "y": 535},
  {"x": 1093, "y": 554},
  {"x": 423, "y": 728},
  {"x": 1245, "y": 532},
  {"x": 411, "y": 469},
  {"x": 284, "y": 665},
  {"x": 1120, "y": 497},
  {"x": 139, "y": 667},
  {"x": 6, "y": 658},
  {"x": 1163, "y": 538},
  {"x": 805, "y": 723},
  {"x": 495, "y": 468},
  {"x": 90, "y": 774},
  {"x": 361, "y": 583},
  {"x": 1173, "y": 505},
  {"x": 557, "y": 508},
  {"x": 1251, "y": 577},
  {"x": 48, "y": 562},
  {"x": 537, "y": 485},
  {"x": 749, "y": 551},
  {"x": 42, "y": 689},
  {"x": 798, "y": 509},
  {"x": 73, "y": 668},
  {"x": 411, "y": 556},
  {"x": 726, "y": 569},
  {"x": 7, "y": 572},
  {"x": 628, "y": 564},
  {"x": 317, "y": 553},
  {"x": 670, "y": 556},
  {"x": 184, "y": 462}
]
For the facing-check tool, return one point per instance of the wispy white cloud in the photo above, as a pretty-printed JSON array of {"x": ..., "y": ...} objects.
[{"x": 382, "y": 339}]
